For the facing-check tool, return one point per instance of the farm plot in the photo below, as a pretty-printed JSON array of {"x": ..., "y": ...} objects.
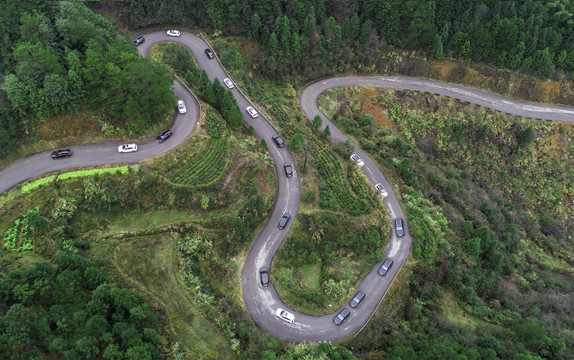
[
  {"x": 206, "y": 166},
  {"x": 342, "y": 186},
  {"x": 16, "y": 238}
]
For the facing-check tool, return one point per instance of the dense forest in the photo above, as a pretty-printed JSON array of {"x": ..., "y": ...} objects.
[
  {"x": 71, "y": 311},
  {"x": 487, "y": 236},
  {"x": 492, "y": 276},
  {"x": 60, "y": 57},
  {"x": 322, "y": 37}
]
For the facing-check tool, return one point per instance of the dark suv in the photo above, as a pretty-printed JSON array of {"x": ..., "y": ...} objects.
[
  {"x": 357, "y": 299},
  {"x": 284, "y": 220},
  {"x": 61, "y": 153},
  {"x": 288, "y": 170},
  {"x": 139, "y": 40},
  {"x": 209, "y": 53},
  {"x": 278, "y": 141},
  {"x": 338, "y": 320},
  {"x": 264, "y": 275},
  {"x": 399, "y": 227},
  {"x": 164, "y": 135},
  {"x": 385, "y": 267}
]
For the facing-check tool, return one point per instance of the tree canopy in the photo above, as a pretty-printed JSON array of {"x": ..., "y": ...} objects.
[{"x": 60, "y": 57}]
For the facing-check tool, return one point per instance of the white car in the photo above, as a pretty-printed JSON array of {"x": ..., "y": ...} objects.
[
  {"x": 357, "y": 160},
  {"x": 173, "y": 33},
  {"x": 228, "y": 83},
  {"x": 285, "y": 315},
  {"x": 252, "y": 112},
  {"x": 382, "y": 190},
  {"x": 181, "y": 107},
  {"x": 126, "y": 148}
]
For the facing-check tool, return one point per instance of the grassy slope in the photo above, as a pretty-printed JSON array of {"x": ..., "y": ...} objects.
[
  {"x": 151, "y": 263},
  {"x": 528, "y": 172}
]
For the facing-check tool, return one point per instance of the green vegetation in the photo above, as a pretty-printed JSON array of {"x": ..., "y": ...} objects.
[
  {"x": 487, "y": 200},
  {"x": 28, "y": 187},
  {"x": 324, "y": 259},
  {"x": 59, "y": 58},
  {"x": 143, "y": 225},
  {"x": 207, "y": 165},
  {"x": 152, "y": 263},
  {"x": 343, "y": 189},
  {"x": 72, "y": 310},
  {"x": 318, "y": 37}
]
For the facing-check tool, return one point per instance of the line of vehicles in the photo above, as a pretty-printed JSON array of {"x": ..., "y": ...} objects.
[
  {"x": 264, "y": 271},
  {"x": 355, "y": 301},
  {"x": 128, "y": 148},
  {"x": 343, "y": 314},
  {"x": 125, "y": 148}
]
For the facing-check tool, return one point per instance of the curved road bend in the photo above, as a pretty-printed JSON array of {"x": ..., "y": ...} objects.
[
  {"x": 262, "y": 302},
  {"x": 105, "y": 153},
  {"x": 459, "y": 92}
]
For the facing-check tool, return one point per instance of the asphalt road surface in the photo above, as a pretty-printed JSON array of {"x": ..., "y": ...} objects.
[{"x": 262, "y": 302}]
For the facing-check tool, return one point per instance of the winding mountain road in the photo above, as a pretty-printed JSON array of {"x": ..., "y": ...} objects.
[{"x": 261, "y": 302}]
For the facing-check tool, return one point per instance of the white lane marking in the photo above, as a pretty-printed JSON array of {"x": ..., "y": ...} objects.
[
  {"x": 390, "y": 205},
  {"x": 477, "y": 95},
  {"x": 370, "y": 172},
  {"x": 394, "y": 247}
]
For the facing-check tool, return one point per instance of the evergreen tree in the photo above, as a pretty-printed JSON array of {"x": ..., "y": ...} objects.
[
  {"x": 273, "y": 44},
  {"x": 218, "y": 91},
  {"x": 255, "y": 27}
]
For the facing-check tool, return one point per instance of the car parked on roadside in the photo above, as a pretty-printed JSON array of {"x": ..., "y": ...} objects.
[
  {"x": 338, "y": 320},
  {"x": 181, "y": 107},
  {"x": 139, "y": 40},
  {"x": 285, "y": 315},
  {"x": 399, "y": 227},
  {"x": 61, "y": 153},
  {"x": 264, "y": 276},
  {"x": 252, "y": 112},
  {"x": 127, "y": 148},
  {"x": 277, "y": 140},
  {"x": 175, "y": 33},
  {"x": 228, "y": 83},
  {"x": 357, "y": 160},
  {"x": 209, "y": 53},
  {"x": 385, "y": 267},
  {"x": 166, "y": 134},
  {"x": 381, "y": 190},
  {"x": 288, "y": 170},
  {"x": 284, "y": 220},
  {"x": 357, "y": 299}
]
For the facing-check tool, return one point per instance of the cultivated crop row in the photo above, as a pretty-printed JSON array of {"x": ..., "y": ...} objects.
[
  {"x": 16, "y": 237},
  {"x": 337, "y": 184},
  {"x": 205, "y": 167}
]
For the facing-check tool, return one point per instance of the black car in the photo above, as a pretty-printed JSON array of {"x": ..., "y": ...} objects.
[
  {"x": 399, "y": 229},
  {"x": 278, "y": 141},
  {"x": 385, "y": 267},
  {"x": 139, "y": 40},
  {"x": 338, "y": 320},
  {"x": 284, "y": 220},
  {"x": 264, "y": 275},
  {"x": 288, "y": 170},
  {"x": 357, "y": 299},
  {"x": 164, "y": 135},
  {"x": 61, "y": 153},
  {"x": 209, "y": 53}
]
